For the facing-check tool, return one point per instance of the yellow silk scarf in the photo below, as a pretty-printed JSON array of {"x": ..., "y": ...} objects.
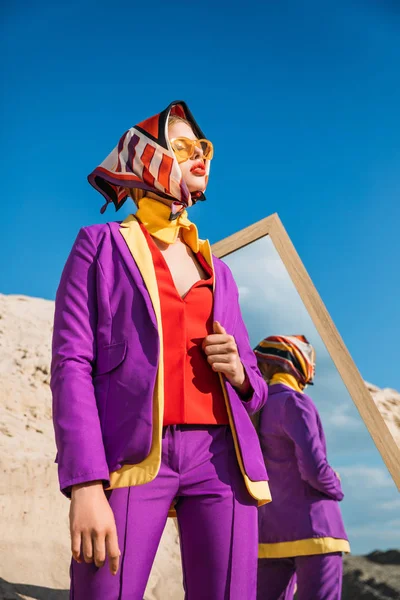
[
  {"x": 286, "y": 379},
  {"x": 155, "y": 217}
]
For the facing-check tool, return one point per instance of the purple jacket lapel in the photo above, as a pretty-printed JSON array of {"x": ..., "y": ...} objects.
[{"x": 132, "y": 268}]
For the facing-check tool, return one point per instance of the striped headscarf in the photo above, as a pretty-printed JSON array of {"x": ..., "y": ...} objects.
[
  {"x": 292, "y": 352},
  {"x": 144, "y": 160}
]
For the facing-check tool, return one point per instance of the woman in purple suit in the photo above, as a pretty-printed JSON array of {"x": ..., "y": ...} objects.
[
  {"x": 301, "y": 533},
  {"x": 153, "y": 382}
]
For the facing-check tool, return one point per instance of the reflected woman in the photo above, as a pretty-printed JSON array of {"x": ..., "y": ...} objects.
[
  {"x": 301, "y": 533},
  {"x": 153, "y": 381}
]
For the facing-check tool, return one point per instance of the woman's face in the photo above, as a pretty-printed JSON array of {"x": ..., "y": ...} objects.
[{"x": 193, "y": 170}]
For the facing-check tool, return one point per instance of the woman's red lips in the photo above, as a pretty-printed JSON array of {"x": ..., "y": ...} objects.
[{"x": 198, "y": 168}]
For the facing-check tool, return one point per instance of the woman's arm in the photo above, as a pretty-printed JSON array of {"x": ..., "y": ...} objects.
[
  {"x": 81, "y": 456},
  {"x": 82, "y": 463},
  {"x": 299, "y": 422}
]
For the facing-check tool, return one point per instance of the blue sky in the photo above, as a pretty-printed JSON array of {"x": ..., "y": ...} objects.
[{"x": 301, "y": 100}]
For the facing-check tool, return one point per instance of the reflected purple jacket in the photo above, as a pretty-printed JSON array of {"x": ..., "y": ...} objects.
[
  {"x": 105, "y": 359},
  {"x": 304, "y": 488}
]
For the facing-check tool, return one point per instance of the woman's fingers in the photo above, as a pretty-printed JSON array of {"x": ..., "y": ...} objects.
[
  {"x": 224, "y": 368},
  {"x": 219, "y": 358},
  {"x": 87, "y": 546},
  {"x": 227, "y": 348},
  {"x": 76, "y": 545},
  {"x": 113, "y": 551},
  {"x": 217, "y": 328},
  {"x": 91, "y": 520},
  {"x": 219, "y": 344},
  {"x": 95, "y": 548},
  {"x": 216, "y": 338},
  {"x": 99, "y": 546}
]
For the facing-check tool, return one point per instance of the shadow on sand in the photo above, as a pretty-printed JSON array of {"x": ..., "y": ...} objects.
[{"x": 14, "y": 591}]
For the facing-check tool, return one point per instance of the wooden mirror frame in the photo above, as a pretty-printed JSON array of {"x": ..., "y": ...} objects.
[{"x": 273, "y": 227}]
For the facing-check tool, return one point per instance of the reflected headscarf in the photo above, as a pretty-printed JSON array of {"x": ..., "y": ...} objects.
[
  {"x": 144, "y": 160},
  {"x": 292, "y": 352}
]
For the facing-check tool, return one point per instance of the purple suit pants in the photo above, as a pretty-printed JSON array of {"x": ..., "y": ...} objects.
[
  {"x": 217, "y": 521},
  {"x": 319, "y": 577}
]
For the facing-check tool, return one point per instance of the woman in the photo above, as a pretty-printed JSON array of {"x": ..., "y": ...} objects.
[
  {"x": 301, "y": 533},
  {"x": 153, "y": 382}
]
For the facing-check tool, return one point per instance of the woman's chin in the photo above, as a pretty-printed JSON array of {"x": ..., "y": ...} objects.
[{"x": 197, "y": 184}]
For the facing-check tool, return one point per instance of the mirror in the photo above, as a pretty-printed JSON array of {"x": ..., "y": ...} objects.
[{"x": 278, "y": 297}]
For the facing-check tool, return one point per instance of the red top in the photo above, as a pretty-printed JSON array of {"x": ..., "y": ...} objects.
[{"x": 193, "y": 392}]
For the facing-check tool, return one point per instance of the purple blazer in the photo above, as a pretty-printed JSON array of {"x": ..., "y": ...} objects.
[
  {"x": 105, "y": 357},
  {"x": 305, "y": 489}
]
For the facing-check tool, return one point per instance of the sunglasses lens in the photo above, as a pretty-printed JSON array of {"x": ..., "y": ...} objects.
[
  {"x": 182, "y": 147},
  {"x": 207, "y": 149},
  {"x": 185, "y": 148}
]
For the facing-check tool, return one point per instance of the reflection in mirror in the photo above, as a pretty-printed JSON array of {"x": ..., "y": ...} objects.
[
  {"x": 388, "y": 403},
  {"x": 271, "y": 305}
]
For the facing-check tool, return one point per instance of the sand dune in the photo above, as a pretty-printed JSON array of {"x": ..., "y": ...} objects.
[{"x": 388, "y": 402}]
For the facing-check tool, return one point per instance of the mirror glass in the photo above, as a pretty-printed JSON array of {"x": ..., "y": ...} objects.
[{"x": 271, "y": 305}]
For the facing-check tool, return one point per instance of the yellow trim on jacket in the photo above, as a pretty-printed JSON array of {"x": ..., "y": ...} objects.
[
  {"x": 323, "y": 545},
  {"x": 257, "y": 489},
  {"x": 146, "y": 471}
]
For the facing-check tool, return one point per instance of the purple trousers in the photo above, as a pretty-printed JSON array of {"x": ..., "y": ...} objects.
[
  {"x": 319, "y": 577},
  {"x": 216, "y": 515}
]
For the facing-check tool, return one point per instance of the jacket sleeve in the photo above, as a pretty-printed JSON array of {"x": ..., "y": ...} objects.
[
  {"x": 258, "y": 393},
  {"x": 300, "y": 423},
  {"x": 81, "y": 455}
]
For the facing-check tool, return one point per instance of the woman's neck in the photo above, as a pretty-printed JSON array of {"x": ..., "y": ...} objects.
[{"x": 163, "y": 246}]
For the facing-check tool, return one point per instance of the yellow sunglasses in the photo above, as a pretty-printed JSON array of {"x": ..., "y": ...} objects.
[{"x": 184, "y": 148}]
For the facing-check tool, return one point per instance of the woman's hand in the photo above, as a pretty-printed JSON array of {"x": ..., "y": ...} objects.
[
  {"x": 223, "y": 356},
  {"x": 92, "y": 526}
]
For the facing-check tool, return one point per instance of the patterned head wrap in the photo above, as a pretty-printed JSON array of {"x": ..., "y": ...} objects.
[
  {"x": 293, "y": 352},
  {"x": 144, "y": 160}
]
